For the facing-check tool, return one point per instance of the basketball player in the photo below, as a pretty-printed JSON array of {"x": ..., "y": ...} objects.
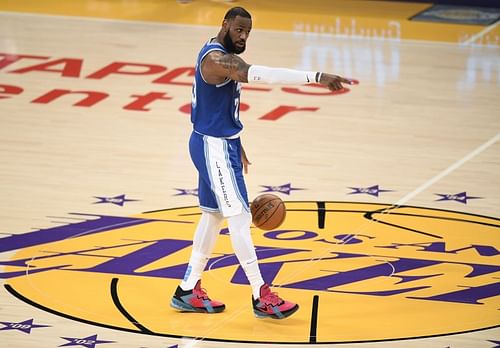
[{"x": 219, "y": 157}]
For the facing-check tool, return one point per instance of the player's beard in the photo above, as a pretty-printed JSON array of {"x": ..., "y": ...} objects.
[{"x": 231, "y": 47}]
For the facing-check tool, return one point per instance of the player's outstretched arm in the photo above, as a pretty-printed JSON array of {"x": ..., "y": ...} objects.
[
  {"x": 264, "y": 74},
  {"x": 217, "y": 67}
]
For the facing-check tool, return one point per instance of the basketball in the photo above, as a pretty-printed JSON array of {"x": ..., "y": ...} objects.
[{"x": 268, "y": 211}]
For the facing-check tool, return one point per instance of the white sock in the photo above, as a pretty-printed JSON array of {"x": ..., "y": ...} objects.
[
  {"x": 252, "y": 271},
  {"x": 204, "y": 240},
  {"x": 196, "y": 265},
  {"x": 239, "y": 230}
]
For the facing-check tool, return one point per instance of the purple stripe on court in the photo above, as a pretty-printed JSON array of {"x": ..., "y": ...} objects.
[{"x": 103, "y": 223}]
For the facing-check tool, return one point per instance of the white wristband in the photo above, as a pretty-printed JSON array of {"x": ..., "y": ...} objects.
[{"x": 264, "y": 74}]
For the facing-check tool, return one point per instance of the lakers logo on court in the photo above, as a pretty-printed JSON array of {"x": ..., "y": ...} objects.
[{"x": 360, "y": 272}]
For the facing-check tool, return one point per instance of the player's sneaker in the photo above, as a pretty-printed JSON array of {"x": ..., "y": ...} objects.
[
  {"x": 195, "y": 300},
  {"x": 270, "y": 305}
]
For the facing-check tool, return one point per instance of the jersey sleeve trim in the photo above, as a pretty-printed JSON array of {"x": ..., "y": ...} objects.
[{"x": 223, "y": 83}]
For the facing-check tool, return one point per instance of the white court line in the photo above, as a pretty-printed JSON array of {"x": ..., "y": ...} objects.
[
  {"x": 448, "y": 170},
  {"x": 402, "y": 201},
  {"x": 480, "y": 34},
  {"x": 430, "y": 182}
]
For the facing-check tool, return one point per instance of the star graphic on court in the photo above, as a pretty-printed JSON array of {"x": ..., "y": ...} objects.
[
  {"x": 87, "y": 342},
  {"x": 186, "y": 192},
  {"x": 286, "y": 188},
  {"x": 372, "y": 190},
  {"x": 24, "y": 326},
  {"x": 117, "y": 200},
  {"x": 458, "y": 197},
  {"x": 495, "y": 342}
]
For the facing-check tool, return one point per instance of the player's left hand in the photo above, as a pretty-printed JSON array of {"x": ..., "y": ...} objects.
[{"x": 335, "y": 82}]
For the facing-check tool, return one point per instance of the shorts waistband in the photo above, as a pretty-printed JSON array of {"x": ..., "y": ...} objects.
[{"x": 236, "y": 136}]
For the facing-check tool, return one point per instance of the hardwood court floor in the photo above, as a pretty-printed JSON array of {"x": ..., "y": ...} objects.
[{"x": 420, "y": 129}]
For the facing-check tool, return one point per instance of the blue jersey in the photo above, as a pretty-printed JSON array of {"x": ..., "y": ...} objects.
[{"x": 215, "y": 108}]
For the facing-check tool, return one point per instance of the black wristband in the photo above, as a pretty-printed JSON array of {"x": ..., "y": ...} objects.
[{"x": 318, "y": 75}]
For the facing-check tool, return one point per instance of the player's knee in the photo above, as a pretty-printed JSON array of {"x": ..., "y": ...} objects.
[{"x": 213, "y": 216}]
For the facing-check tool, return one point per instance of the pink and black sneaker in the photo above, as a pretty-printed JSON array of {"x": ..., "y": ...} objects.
[
  {"x": 270, "y": 305},
  {"x": 195, "y": 300}
]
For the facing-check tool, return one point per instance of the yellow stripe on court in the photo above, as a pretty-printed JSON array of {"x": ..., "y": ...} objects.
[{"x": 354, "y": 18}]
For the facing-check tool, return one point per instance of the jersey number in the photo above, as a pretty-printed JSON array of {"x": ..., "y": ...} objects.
[
  {"x": 237, "y": 102},
  {"x": 193, "y": 98},
  {"x": 237, "y": 109}
]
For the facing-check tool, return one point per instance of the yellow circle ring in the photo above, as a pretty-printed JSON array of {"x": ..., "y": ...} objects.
[{"x": 360, "y": 272}]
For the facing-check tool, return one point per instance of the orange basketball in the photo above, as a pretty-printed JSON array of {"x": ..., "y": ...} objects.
[{"x": 268, "y": 211}]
